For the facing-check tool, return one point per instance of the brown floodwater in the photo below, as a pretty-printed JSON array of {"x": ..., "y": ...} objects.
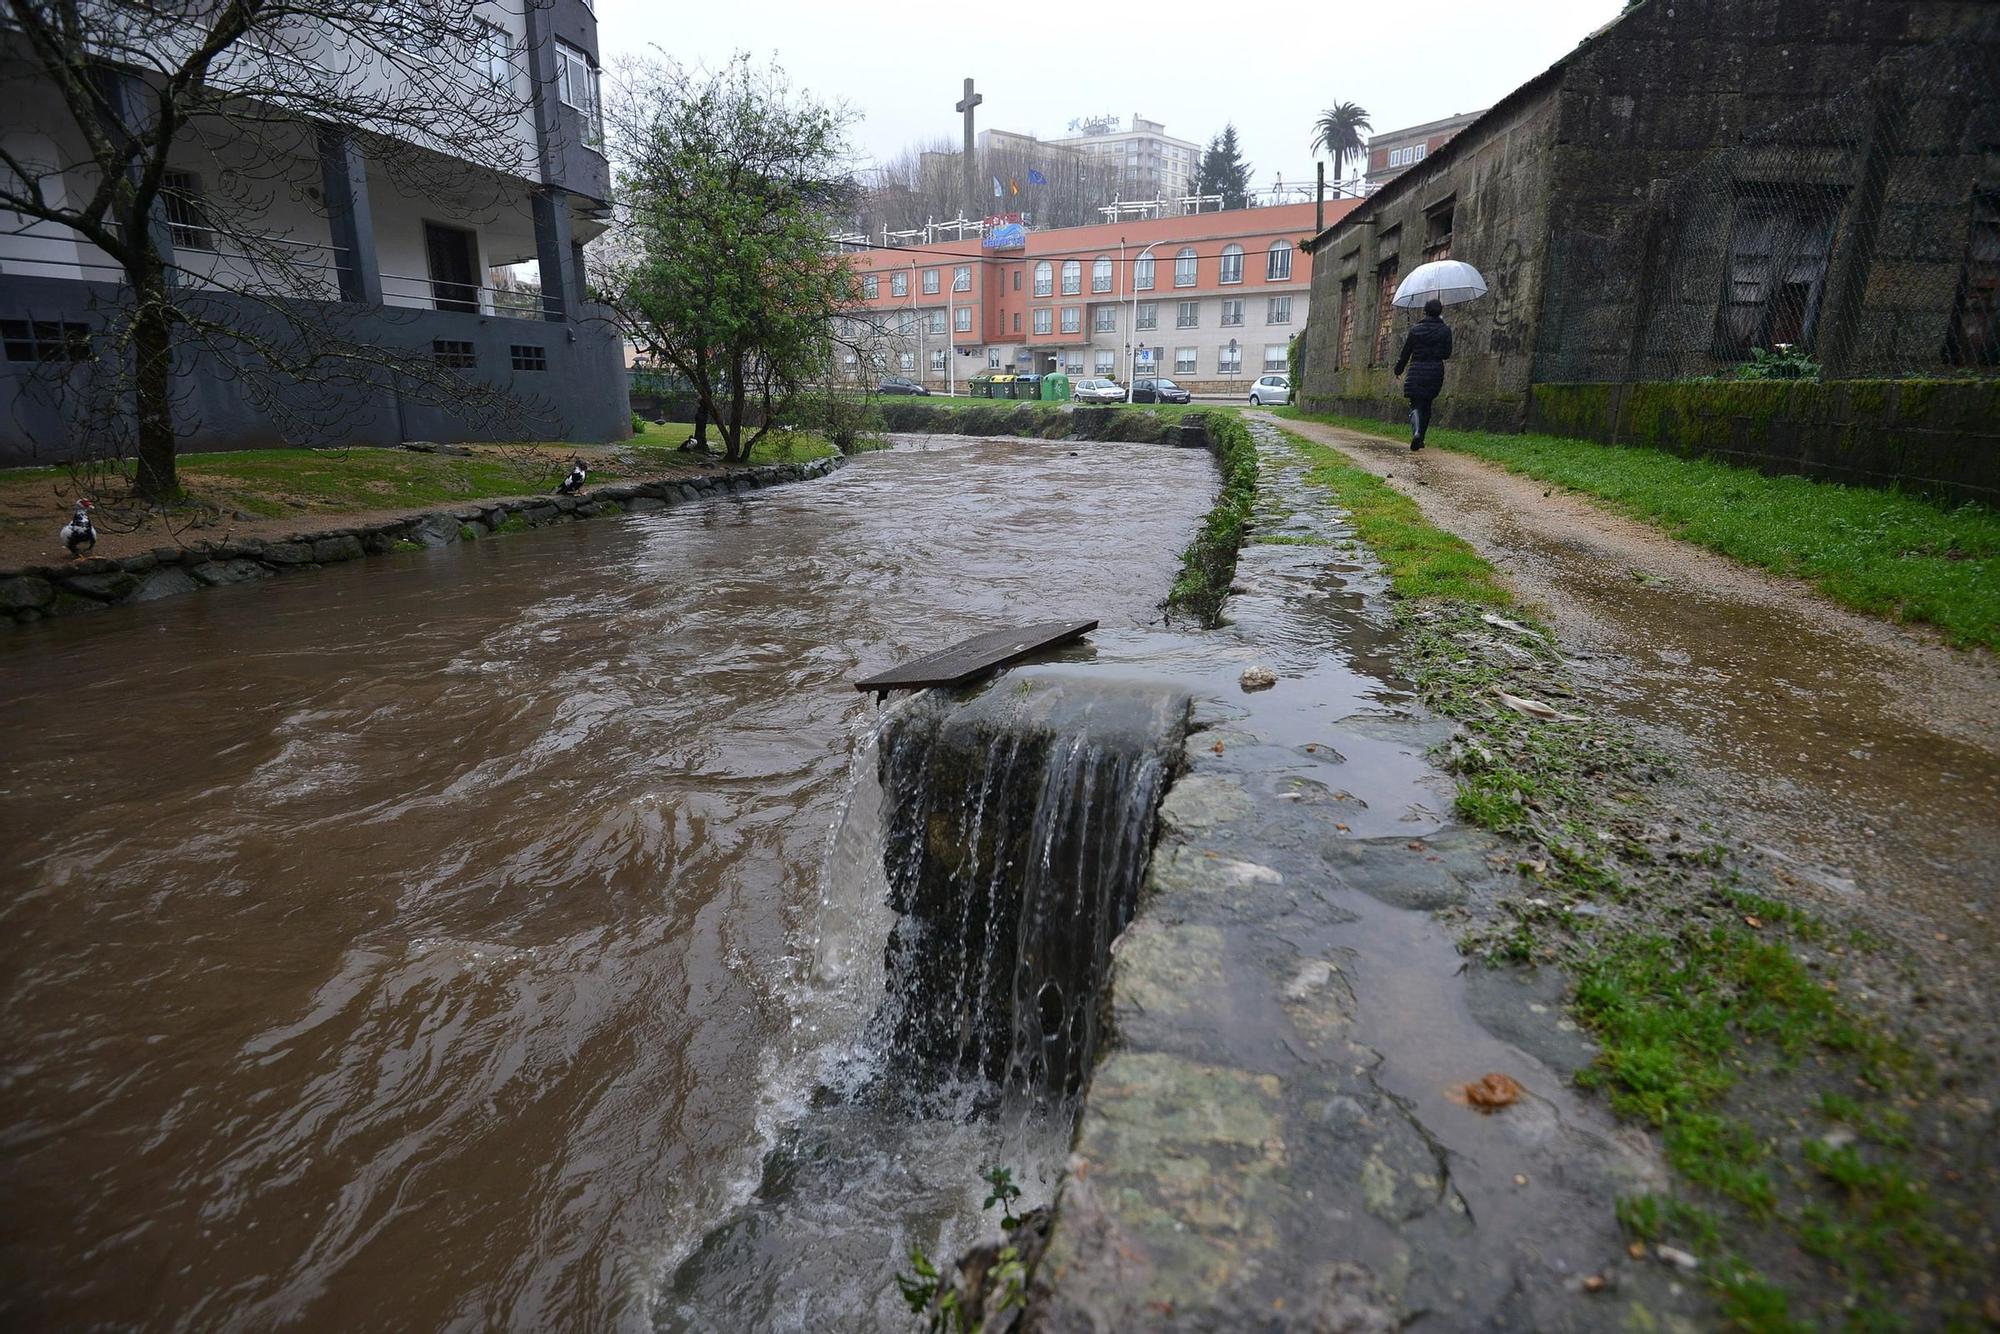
[{"x": 427, "y": 943}]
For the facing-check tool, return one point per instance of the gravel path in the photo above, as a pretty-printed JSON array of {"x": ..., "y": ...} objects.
[{"x": 1861, "y": 757}]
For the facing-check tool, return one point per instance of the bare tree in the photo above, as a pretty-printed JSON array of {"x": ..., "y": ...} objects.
[
  {"x": 1058, "y": 186},
  {"x": 427, "y": 90}
]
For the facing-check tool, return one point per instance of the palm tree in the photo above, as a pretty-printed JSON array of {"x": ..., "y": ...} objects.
[{"x": 1337, "y": 132}]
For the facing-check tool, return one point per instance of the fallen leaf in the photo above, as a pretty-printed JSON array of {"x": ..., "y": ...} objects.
[
  {"x": 1416, "y": 845},
  {"x": 1520, "y": 1179},
  {"x": 1754, "y": 922},
  {"x": 1487, "y": 1094},
  {"x": 1940, "y": 935},
  {"x": 1637, "y": 1250},
  {"x": 1534, "y": 708},
  {"x": 1341, "y": 827},
  {"x": 1217, "y": 747},
  {"x": 1593, "y": 1283}
]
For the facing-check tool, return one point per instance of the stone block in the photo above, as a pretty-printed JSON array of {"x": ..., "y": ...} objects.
[
  {"x": 434, "y": 530},
  {"x": 216, "y": 573},
  {"x": 345, "y": 546},
  {"x": 169, "y": 581},
  {"x": 139, "y": 564},
  {"x": 288, "y": 553},
  {"x": 103, "y": 587},
  {"x": 23, "y": 592}
]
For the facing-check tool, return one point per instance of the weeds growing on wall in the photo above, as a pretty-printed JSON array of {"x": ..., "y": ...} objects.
[{"x": 1209, "y": 563}]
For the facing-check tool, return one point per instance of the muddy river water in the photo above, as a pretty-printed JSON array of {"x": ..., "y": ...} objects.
[{"x": 419, "y": 945}]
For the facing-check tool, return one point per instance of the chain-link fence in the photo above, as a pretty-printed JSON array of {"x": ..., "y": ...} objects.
[{"x": 1857, "y": 238}]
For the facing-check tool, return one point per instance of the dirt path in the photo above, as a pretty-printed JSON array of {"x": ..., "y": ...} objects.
[{"x": 1862, "y": 758}]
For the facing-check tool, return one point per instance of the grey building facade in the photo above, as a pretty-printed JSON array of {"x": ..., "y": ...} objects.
[{"x": 1699, "y": 179}]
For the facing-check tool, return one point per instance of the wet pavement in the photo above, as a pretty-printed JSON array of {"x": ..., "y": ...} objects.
[
  {"x": 1273, "y": 1140},
  {"x": 424, "y": 943},
  {"x": 1861, "y": 758}
]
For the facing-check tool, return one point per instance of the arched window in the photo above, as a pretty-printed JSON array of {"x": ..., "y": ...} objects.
[
  {"x": 1045, "y": 279},
  {"x": 1142, "y": 274},
  {"x": 1278, "y": 263},
  {"x": 1232, "y": 263},
  {"x": 1072, "y": 276},
  {"x": 1184, "y": 267},
  {"x": 1100, "y": 274}
]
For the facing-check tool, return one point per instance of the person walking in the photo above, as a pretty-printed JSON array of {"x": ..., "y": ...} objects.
[{"x": 1426, "y": 347}]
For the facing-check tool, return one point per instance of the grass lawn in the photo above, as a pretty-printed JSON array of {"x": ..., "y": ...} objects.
[
  {"x": 1881, "y": 552},
  {"x": 281, "y": 486}
]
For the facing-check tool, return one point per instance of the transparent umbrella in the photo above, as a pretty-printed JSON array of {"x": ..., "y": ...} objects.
[{"x": 1451, "y": 281}]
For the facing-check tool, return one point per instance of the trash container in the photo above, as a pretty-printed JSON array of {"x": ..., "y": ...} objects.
[
  {"x": 1055, "y": 388},
  {"x": 980, "y": 386},
  {"x": 1027, "y": 386}
]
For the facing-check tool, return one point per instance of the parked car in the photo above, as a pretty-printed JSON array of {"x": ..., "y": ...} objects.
[
  {"x": 897, "y": 384},
  {"x": 1098, "y": 391},
  {"x": 1271, "y": 389},
  {"x": 1159, "y": 391}
]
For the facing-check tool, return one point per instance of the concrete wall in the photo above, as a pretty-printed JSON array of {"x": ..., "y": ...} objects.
[
  {"x": 224, "y": 405},
  {"x": 1496, "y": 179},
  {"x": 1936, "y": 437}
]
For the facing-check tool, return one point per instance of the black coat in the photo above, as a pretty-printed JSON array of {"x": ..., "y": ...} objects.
[{"x": 1425, "y": 349}]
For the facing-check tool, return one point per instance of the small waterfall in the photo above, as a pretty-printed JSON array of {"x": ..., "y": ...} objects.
[{"x": 1017, "y": 828}]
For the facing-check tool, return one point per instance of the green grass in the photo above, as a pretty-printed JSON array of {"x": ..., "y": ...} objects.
[
  {"x": 1422, "y": 561},
  {"x": 775, "y": 447},
  {"x": 1881, "y": 552},
  {"x": 1209, "y": 563}
]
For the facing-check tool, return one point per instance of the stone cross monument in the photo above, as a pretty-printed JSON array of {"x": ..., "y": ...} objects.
[{"x": 972, "y": 196}]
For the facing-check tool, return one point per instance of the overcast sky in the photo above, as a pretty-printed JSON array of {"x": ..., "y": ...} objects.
[{"x": 1268, "y": 67}]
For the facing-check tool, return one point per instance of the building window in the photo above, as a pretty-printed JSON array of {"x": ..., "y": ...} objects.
[
  {"x": 1017, "y": 280},
  {"x": 1073, "y": 362},
  {"x": 1232, "y": 314},
  {"x": 529, "y": 357},
  {"x": 1278, "y": 262},
  {"x": 961, "y": 319},
  {"x": 993, "y": 353},
  {"x": 1278, "y": 310},
  {"x": 1232, "y": 263},
  {"x": 45, "y": 340},
  {"x": 937, "y": 360},
  {"x": 1385, "y": 306},
  {"x": 906, "y": 361},
  {"x": 1072, "y": 277},
  {"x": 1148, "y": 315},
  {"x": 1437, "y": 230},
  {"x": 899, "y": 283},
  {"x": 931, "y": 280},
  {"x": 1343, "y": 348},
  {"x": 1184, "y": 267},
  {"x": 1188, "y": 316},
  {"x": 1277, "y": 358},
  {"x": 453, "y": 354},
  {"x": 496, "y": 56},
  {"x": 1106, "y": 361},
  {"x": 1777, "y": 268},
  {"x": 1405, "y": 157},
  {"x": 1105, "y": 319},
  {"x": 1973, "y": 338},
  {"x": 1072, "y": 320},
  {"x": 1184, "y": 361},
  {"x": 961, "y": 278},
  {"x": 1017, "y": 321},
  {"x": 935, "y": 321},
  {"x": 1100, "y": 274},
  {"x": 1142, "y": 274},
  {"x": 871, "y": 286},
  {"x": 576, "y": 86},
  {"x": 1045, "y": 279},
  {"x": 1229, "y": 360},
  {"x": 1045, "y": 321},
  {"x": 180, "y": 199}
]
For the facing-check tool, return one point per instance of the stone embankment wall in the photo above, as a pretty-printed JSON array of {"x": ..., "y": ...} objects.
[
  {"x": 38, "y": 591},
  {"x": 1048, "y": 422}
]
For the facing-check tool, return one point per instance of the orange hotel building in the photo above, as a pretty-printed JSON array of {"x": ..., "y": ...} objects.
[{"x": 1215, "y": 296}]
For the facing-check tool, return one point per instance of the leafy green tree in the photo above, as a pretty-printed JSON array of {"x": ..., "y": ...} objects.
[
  {"x": 1223, "y": 171},
  {"x": 730, "y": 182},
  {"x": 1337, "y": 133}
]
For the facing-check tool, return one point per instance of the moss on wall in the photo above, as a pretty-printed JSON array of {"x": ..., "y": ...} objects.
[{"x": 1936, "y": 436}]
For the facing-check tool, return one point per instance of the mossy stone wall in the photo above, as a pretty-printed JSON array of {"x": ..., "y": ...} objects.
[{"x": 1936, "y": 437}]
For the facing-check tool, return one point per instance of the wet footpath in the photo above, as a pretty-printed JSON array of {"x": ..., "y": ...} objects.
[{"x": 1287, "y": 1131}]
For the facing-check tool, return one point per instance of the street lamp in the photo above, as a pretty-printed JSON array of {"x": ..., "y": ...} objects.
[{"x": 1133, "y": 313}]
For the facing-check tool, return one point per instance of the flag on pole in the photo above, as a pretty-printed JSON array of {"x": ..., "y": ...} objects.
[
  {"x": 1036, "y": 178},
  {"x": 1013, "y": 186},
  {"x": 996, "y": 187}
]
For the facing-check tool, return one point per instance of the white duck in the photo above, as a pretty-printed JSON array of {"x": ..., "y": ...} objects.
[{"x": 79, "y": 534}]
